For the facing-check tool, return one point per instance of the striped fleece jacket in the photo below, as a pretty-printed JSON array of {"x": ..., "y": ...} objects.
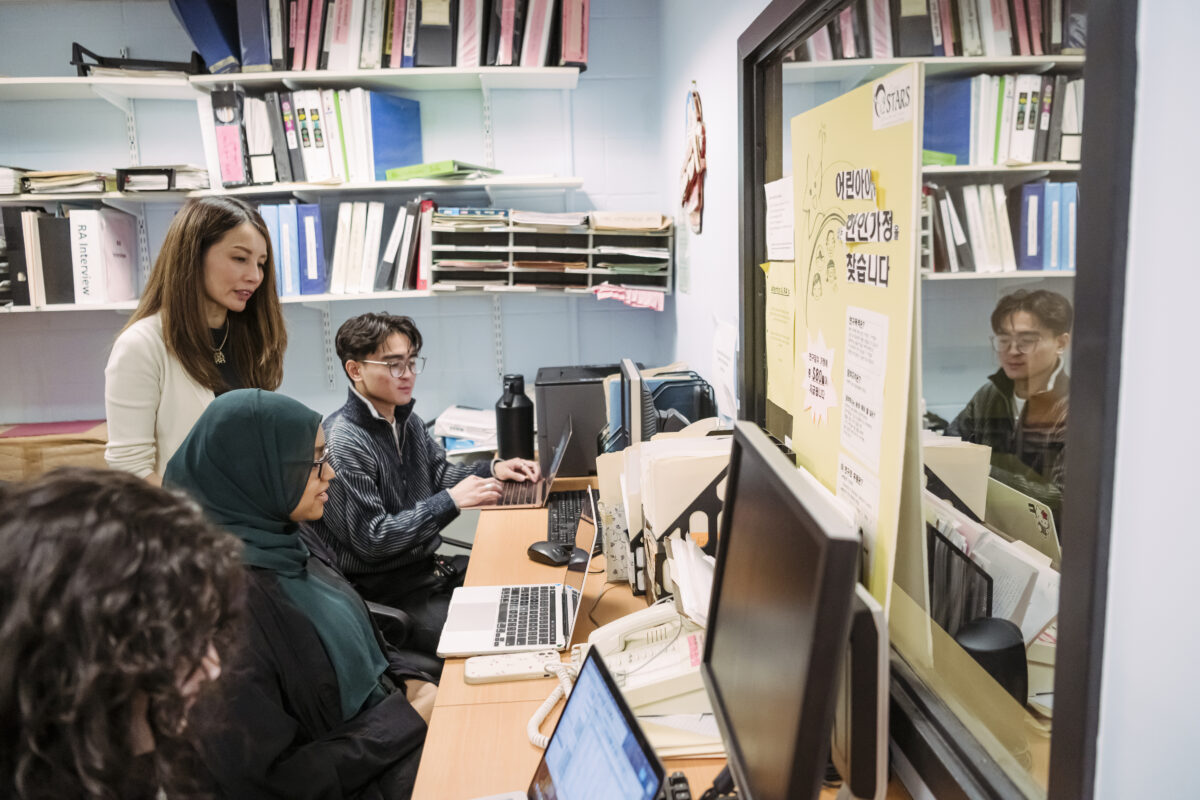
[{"x": 389, "y": 501}]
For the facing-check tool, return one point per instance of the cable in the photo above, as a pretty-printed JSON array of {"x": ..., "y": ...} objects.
[
  {"x": 596, "y": 602},
  {"x": 722, "y": 787},
  {"x": 566, "y": 674}
]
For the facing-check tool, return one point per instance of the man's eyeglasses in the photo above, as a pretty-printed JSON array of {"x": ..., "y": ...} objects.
[
  {"x": 1025, "y": 343},
  {"x": 399, "y": 366},
  {"x": 319, "y": 466}
]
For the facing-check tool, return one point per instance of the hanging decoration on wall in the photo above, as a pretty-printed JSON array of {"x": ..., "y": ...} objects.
[{"x": 691, "y": 177}]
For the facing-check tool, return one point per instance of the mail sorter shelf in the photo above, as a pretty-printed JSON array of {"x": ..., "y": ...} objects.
[{"x": 505, "y": 256}]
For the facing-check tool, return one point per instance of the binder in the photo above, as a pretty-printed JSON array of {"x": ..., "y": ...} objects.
[
  {"x": 1006, "y": 100},
  {"x": 424, "y": 235},
  {"x": 313, "y": 277},
  {"x": 385, "y": 273},
  {"x": 277, "y": 27},
  {"x": 1051, "y": 226},
  {"x": 374, "y": 17},
  {"x": 947, "y": 122},
  {"x": 469, "y": 46},
  {"x": 358, "y": 232},
  {"x": 291, "y": 136},
  {"x": 316, "y": 24},
  {"x": 436, "y": 22},
  {"x": 259, "y": 146},
  {"x": 968, "y": 23},
  {"x": 230, "y": 136},
  {"x": 409, "y": 56},
  {"x": 1054, "y": 136},
  {"x": 846, "y": 35},
  {"x": 506, "y": 29},
  {"x": 270, "y": 215},
  {"x": 1029, "y": 252},
  {"x": 976, "y": 230},
  {"x": 334, "y": 134},
  {"x": 539, "y": 17},
  {"x": 279, "y": 147},
  {"x": 1068, "y": 225},
  {"x": 15, "y": 252},
  {"x": 1071, "y": 146},
  {"x": 327, "y": 34},
  {"x": 289, "y": 244},
  {"x": 399, "y": 15},
  {"x": 54, "y": 250},
  {"x": 254, "y": 32},
  {"x": 995, "y": 28},
  {"x": 1053, "y": 26},
  {"x": 347, "y": 34},
  {"x": 317, "y": 164},
  {"x": 962, "y": 244},
  {"x": 299, "y": 34},
  {"x": 370, "y": 250},
  {"x": 393, "y": 133},
  {"x": 406, "y": 255},
  {"x": 212, "y": 27},
  {"x": 1020, "y": 27},
  {"x": 1008, "y": 255},
  {"x": 913, "y": 28},
  {"x": 940, "y": 41},
  {"x": 1024, "y": 129},
  {"x": 945, "y": 12},
  {"x": 942, "y": 246},
  {"x": 991, "y": 228},
  {"x": 1046, "y": 101},
  {"x": 573, "y": 42},
  {"x": 341, "y": 249}
]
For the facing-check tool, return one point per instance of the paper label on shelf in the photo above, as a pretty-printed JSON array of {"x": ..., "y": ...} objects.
[
  {"x": 780, "y": 218},
  {"x": 310, "y": 247}
]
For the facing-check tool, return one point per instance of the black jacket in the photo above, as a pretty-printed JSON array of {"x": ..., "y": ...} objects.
[
  {"x": 1027, "y": 451},
  {"x": 271, "y": 726}
]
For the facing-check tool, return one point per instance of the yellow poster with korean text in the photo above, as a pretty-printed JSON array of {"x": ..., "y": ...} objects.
[{"x": 857, "y": 179}]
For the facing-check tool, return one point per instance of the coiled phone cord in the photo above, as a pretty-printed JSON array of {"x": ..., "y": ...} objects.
[{"x": 566, "y": 675}]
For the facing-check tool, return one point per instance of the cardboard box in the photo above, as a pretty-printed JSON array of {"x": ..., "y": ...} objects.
[{"x": 79, "y": 444}]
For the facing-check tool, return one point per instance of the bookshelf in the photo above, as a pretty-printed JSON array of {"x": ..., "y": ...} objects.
[
  {"x": 390, "y": 80},
  {"x": 1015, "y": 169},
  {"x": 51, "y": 89},
  {"x": 858, "y": 70},
  {"x": 1028, "y": 274}
]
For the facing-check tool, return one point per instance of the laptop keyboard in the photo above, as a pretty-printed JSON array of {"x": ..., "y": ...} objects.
[
  {"x": 565, "y": 509},
  {"x": 516, "y": 493},
  {"x": 528, "y": 616}
]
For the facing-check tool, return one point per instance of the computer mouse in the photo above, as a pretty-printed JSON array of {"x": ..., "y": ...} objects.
[
  {"x": 579, "y": 559},
  {"x": 549, "y": 553}
]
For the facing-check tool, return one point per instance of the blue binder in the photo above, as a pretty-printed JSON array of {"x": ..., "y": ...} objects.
[
  {"x": 270, "y": 215},
  {"x": 212, "y": 26},
  {"x": 255, "y": 34},
  {"x": 289, "y": 245},
  {"x": 1051, "y": 232},
  {"x": 1069, "y": 225},
  {"x": 948, "y": 118},
  {"x": 395, "y": 132},
  {"x": 313, "y": 275},
  {"x": 1029, "y": 248}
]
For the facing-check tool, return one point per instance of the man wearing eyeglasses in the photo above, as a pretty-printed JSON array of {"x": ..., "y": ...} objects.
[
  {"x": 1021, "y": 412},
  {"x": 395, "y": 490}
]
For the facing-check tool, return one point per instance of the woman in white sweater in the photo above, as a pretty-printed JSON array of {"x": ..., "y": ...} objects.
[{"x": 209, "y": 321}]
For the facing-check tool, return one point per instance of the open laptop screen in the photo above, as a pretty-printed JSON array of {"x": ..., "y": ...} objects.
[{"x": 597, "y": 751}]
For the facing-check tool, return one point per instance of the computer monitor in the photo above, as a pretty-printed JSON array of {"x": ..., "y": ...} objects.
[
  {"x": 639, "y": 419},
  {"x": 860, "y": 723},
  {"x": 778, "y": 621}
]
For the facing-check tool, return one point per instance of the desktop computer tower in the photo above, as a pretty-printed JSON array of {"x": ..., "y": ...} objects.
[{"x": 577, "y": 392}]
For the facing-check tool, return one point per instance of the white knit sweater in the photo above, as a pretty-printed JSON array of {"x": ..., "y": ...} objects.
[{"x": 150, "y": 400}]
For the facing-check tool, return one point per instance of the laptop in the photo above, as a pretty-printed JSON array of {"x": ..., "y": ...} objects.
[
  {"x": 597, "y": 751},
  {"x": 533, "y": 494},
  {"x": 511, "y": 619},
  {"x": 1020, "y": 516}
]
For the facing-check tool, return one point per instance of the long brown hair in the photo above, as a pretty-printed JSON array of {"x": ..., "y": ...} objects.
[{"x": 175, "y": 290}]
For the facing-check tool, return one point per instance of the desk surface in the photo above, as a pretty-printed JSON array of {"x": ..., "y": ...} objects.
[{"x": 477, "y": 744}]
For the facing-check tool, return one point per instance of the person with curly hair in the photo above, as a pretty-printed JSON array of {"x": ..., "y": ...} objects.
[
  {"x": 315, "y": 704},
  {"x": 116, "y": 600}
]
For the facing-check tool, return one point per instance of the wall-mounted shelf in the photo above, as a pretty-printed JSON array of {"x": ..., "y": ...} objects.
[
  {"x": 865, "y": 69},
  {"x": 1015, "y": 169},
  {"x": 1027, "y": 274},
  {"x": 412, "y": 79},
  {"x": 37, "y": 89}
]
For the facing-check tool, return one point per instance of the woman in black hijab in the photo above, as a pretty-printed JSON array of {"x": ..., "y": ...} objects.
[{"x": 316, "y": 704}]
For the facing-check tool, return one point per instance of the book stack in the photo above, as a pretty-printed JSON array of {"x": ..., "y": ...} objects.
[
  {"x": 984, "y": 228},
  {"x": 88, "y": 257},
  {"x": 997, "y": 120},
  {"x": 313, "y": 136},
  {"x": 10, "y": 179},
  {"x": 922, "y": 28},
  {"x": 342, "y": 35}
]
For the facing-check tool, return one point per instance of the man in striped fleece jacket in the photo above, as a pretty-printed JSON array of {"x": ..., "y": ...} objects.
[{"x": 395, "y": 490}]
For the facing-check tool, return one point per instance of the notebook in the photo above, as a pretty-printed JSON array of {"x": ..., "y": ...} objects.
[
  {"x": 597, "y": 751},
  {"x": 511, "y": 619},
  {"x": 533, "y": 494}
]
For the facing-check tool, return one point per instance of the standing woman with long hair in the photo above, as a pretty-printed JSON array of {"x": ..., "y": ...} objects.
[{"x": 209, "y": 321}]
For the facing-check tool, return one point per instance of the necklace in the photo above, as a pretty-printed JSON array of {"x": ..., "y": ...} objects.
[{"x": 218, "y": 356}]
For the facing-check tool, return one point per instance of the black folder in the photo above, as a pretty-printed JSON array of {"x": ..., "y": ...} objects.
[
  {"x": 436, "y": 43},
  {"x": 914, "y": 31}
]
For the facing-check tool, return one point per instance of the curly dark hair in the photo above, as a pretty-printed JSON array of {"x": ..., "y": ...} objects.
[
  {"x": 111, "y": 589},
  {"x": 360, "y": 336}
]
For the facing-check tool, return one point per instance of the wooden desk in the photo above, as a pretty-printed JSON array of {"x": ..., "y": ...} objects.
[{"x": 477, "y": 744}]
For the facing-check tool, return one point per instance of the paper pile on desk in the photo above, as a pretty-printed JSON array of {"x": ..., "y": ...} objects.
[
  {"x": 471, "y": 428},
  {"x": 683, "y": 735},
  {"x": 963, "y": 466}
]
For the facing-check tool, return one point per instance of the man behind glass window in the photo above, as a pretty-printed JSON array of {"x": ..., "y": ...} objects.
[{"x": 1021, "y": 412}]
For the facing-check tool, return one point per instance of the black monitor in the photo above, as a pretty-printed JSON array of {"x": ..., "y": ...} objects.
[
  {"x": 639, "y": 418},
  {"x": 778, "y": 621}
]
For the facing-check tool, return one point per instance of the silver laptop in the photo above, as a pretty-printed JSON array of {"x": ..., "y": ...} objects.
[
  {"x": 1019, "y": 516},
  {"x": 597, "y": 751},
  {"x": 511, "y": 619},
  {"x": 533, "y": 494}
]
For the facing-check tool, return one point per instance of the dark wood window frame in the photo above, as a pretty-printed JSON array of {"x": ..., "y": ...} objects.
[{"x": 950, "y": 761}]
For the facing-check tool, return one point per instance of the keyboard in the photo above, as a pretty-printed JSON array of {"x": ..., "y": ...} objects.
[
  {"x": 528, "y": 616},
  {"x": 565, "y": 509},
  {"x": 517, "y": 493}
]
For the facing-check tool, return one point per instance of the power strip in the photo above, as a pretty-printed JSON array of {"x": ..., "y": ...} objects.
[{"x": 510, "y": 666}]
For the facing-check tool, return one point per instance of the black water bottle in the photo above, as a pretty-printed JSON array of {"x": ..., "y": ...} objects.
[{"x": 514, "y": 420}]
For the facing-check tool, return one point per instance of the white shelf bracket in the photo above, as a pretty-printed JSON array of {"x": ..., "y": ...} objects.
[
  {"x": 489, "y": 141},
  {"x": 498, "y": 336},
  {"x": 332, "y": 365}
]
